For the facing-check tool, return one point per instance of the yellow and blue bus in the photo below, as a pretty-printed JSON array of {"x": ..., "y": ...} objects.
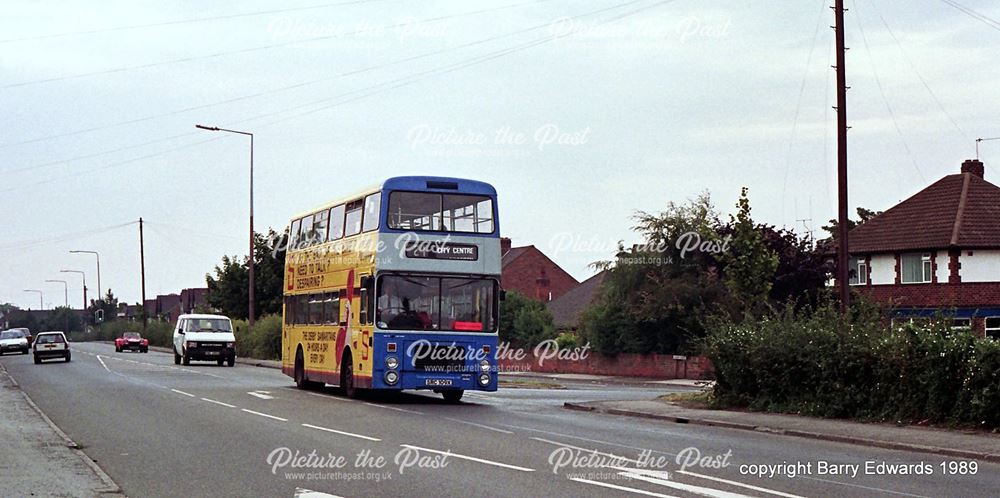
[{"x": 395, "y": 287}]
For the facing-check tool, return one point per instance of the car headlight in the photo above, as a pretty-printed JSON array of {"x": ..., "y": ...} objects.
[
  {"x": 391, "y": 362},
  {"x": 484, "y": 365},
  {"x": 191, "y": 344},
  {"x": 230, "y": 344},
  {"x": 484, "y": 379},
  {"x": 391, "y": 377}
]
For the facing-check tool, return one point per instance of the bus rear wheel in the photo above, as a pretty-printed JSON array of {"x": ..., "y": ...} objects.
[
  {"x": 453, "y": 395},
  {"x": 300, "y": 373},
  {"x": 347, "y": 376}
]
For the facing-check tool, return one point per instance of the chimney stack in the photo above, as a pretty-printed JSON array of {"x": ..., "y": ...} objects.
[
  {"x": 974, "y": 166},
  {"x": 504, "y": 245},
  {"x": 542, "y": 292}
]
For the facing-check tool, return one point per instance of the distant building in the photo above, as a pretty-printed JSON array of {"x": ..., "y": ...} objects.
[
  {"x": 529, "y": 271},
  {"x": 170, "y": 306},
  {"x": 936, "y": 252},
  {"x": 568, "y": 308}
]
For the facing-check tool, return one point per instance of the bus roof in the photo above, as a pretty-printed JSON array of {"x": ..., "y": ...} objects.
[{"x": 442, "y": 184}]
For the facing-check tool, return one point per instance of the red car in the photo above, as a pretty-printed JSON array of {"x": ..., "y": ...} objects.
[{"x": 131, "y": 341}]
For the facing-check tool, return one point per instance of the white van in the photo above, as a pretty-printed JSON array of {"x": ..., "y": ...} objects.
[{"x": 204, "y": 337}]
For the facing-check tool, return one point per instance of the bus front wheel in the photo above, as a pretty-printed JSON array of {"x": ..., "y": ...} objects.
[{"x": 452, "y": 395}]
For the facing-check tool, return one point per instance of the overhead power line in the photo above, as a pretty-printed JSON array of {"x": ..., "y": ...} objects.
[
  {"x": 365, "y": 92},
  {"x": 885, "y": 99},
  {"x": 29, "y": 244},
  {"x": 273, "y": 91},
  {"x": 192, "y": 58},
  {"x": 183, "y": 21},
  {"x": 983, "y": 18}
]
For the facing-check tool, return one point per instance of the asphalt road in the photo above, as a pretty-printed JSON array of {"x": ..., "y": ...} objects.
[{"x": 165, "y": 430}]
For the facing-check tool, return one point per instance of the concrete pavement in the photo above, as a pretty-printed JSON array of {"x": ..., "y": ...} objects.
[
  {"x": 164, "y": 430},
  {"x": 963, "y": 444},
  {"x": 36, "y": 458}
]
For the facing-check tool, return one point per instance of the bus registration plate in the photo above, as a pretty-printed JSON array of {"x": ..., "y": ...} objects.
[{"x": 438, "y": 382}]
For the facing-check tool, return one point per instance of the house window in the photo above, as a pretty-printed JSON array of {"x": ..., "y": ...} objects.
[
  {"x": 993, "y": 327},
  {"x": 961, "y": 323},
  {"x": 859, "y": 271},
  {"x": 916, "y": 268}
]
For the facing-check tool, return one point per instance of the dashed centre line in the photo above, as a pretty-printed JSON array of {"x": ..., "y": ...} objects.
[{"x": 265, "y": 415}]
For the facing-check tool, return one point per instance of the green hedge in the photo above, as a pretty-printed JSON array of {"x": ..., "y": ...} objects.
[
  {"x": 809, "y": 363},
  {"x": 263, "y": 342}
]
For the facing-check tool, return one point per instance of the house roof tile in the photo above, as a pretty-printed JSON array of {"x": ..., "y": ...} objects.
[{"x": 961, "y": 210}]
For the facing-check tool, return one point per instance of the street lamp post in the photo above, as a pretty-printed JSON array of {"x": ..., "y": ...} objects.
[
  {"x": 41, "y": 299},
  {"x": 250, "y": 317},
  {"x": 65, "y": 291},
  {"x": 84, "y": 275},
  {"x": 100, "y": 290}
]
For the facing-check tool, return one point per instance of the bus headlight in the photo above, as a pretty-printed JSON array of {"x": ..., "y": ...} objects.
[
  {"x": 484, "y": 379},
  {"x": 484, "y": 365},
  {"x": 391, "y": 378},
  {"x": 391, "y": 362}
]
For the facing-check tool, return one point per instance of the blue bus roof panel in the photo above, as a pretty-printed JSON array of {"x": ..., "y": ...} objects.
[{"x": 441, "y": 184}]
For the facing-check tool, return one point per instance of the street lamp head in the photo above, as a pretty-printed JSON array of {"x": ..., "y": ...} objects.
[{"x": 209, "y": 128}]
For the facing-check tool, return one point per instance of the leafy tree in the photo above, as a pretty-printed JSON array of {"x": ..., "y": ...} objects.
[
  {"x": 750, "y": 264},
  {"x": 524, "y": 321},
  {"x": 63, "y": 318},
  {"x": 864, "y": 215},
  {"x": 269, "y": 272},
  {"x": 656, "y": 295},
  {"x": 109, "y": 305},
  {"x": 227, "y": 290}
]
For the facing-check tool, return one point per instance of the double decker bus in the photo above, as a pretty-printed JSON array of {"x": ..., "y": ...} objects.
[{"x": 395, "y": 287}]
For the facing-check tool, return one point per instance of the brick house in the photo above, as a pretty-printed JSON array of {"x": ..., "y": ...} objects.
[
  {"x": 568, "y": 308},
  {"x": 170, "y": 306},
  {"x": 529, "y": 271},
  {"x": 936, "y": 252}
]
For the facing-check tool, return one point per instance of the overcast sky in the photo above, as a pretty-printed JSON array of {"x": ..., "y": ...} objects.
[{"x": 580, "y": 113}]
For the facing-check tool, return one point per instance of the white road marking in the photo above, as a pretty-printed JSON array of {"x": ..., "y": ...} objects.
[
  {"x": 471, "y": 459},
  {"x": 182, "y": 392},
  {"x": 739, "y": 484},
  {"x": 564, "y": 445},
  {"x": 265, "y": 415},
  {"x": 392, "y": 408},
  {"x": 335, "y": 431},
  {"x": 327, "y": 396},
  {"x": 218, "y": 402},
  {"x": 621, "y": 488},
  {"x": 308, "y": 493},
  {"x": 643, "y": 475},
  {"x": 481, "y": 426},
  {"x": 598, "y": 441},
  {"x": 261, "y": 394},
  {"x": 869, "y": 488},
  {"x": 102, "y": 363}
]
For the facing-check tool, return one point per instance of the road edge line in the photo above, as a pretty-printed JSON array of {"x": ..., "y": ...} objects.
[{"x": 112, "y": 486}]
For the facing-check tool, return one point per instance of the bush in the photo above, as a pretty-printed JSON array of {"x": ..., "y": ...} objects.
[
  {"x": 524, "y": 322},
  {"x": 817, "y": 363},
  {"x": 263, "y": 341},
  {"x": 158, "y": 333}
]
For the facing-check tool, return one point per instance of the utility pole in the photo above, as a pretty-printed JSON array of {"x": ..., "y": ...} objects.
[
  {"x": 142, "y": 271},
  {"x": 843, "y": 275}
]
